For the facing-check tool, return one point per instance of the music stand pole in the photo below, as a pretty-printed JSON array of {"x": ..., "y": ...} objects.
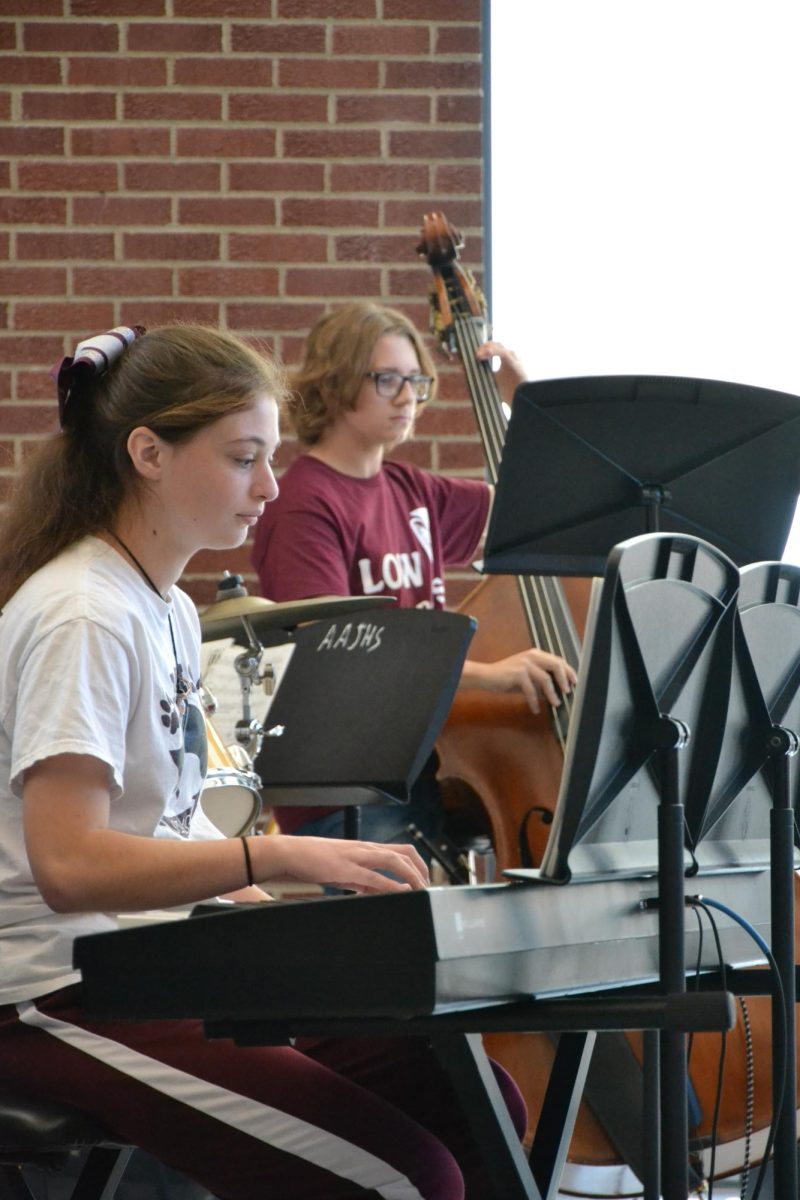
[
  {"x": 783, "y": 745},
  {"x": 672, "y": 735}
]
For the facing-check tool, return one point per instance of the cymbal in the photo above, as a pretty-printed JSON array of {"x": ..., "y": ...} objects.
[{"x": 224, "y": 619}]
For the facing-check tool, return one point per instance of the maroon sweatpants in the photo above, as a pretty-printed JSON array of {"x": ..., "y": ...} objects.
[{"x": 325, "y": 1119}]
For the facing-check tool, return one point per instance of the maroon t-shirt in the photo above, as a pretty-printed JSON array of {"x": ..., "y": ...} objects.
[{"x": 329, "y": 534}]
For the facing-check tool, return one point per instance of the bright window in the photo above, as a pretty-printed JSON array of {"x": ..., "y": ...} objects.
[{"x": 644, "y": 188}]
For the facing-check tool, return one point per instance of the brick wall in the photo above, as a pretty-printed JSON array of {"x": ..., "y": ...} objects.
[{"x": 242, "y": 162}]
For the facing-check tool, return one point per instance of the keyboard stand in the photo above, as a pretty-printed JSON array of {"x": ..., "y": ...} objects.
[{"x": 455, "y": 1037}]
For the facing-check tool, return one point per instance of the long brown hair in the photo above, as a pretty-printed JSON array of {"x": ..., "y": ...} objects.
[
  {"x": 337, "y": 352},
  {"x": 175, "y": 380}
]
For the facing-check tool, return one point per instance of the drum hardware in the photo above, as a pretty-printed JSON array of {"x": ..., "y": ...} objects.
[{"x": 231, "y": 795}]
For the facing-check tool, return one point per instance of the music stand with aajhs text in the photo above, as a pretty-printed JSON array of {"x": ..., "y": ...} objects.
[
  {"x": 589, "y": 462},
  {"x": 359, "y": 707}
]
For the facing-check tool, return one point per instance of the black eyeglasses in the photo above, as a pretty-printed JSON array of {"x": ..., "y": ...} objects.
[{"x": 389, "y": 384}]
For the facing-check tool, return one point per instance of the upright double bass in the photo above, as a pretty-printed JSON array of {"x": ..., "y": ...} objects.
[
  {"x": 494, "y": 748},
  {"x": 502, "y": 764}
]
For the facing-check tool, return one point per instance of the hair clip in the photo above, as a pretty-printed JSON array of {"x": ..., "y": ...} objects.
[{"x": 93, "y": 357}]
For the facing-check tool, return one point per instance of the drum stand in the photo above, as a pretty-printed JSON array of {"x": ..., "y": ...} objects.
[{"x": 250, "y": 732}]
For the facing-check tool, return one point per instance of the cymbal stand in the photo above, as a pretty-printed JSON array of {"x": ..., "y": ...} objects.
[{"x": 249, "y": 730}]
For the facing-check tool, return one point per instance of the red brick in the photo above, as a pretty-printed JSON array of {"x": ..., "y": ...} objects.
[
  {"x": 328, "y": 73},
  {"x": 277, "y": 247},
  {"x": 432, "y": 10},
  {"x": 332, "y": 281},
  {"x": 460, "y": 455},
  {"x": 276, "y": 176},
  {"x": 69, "y": 106},
  {"x": 327, "y": 9},
  {"x": 162, "y": 247},
  {"x": 166, "y": 312},
  {"x": 122, "y": 280},
  {"x": 6, "y": 448},
  {"x": 464, "y": 214},
  {"x": 67, "y": 177},
  {"x": 8, "y": 36},
  {"x": 5, "y": 175},
  {"x": 228, "y": 281},
  {"x": 5, "y": 107},
  {"x": 379, "y": 177},
  {"x": 33, "y": 8},
  {"x": 278, "y": 107},
  {"x": 57, "y": 246},
  {"x": 382, "y": 39},
  {"x": 364, "y": 247},
  {"x": 27, "y": 418},
  {"x": 172, "y": 177},
  {"x": 329, "y": 213},
  {"x": 170, "y": 37},
  {"x": 458, "y": 39},
  {"x": 438, "y": 419},
  {"x": 171, "y": 106},
  {"x": 225, "y": 143},
  {"x": 30, "y": 350},
  {"x": 226, "y": 210},
  {"x": 458, "y": 110},
  {"x": 61, "y": 37},
  {"x": 25, "y": 69},
  {"x": 432, "y": 75},
  {"x": 4, "y": 311},
  {"x": 121, "y": 71},
  {"x": 67, "y": 316},
  {"x": 418, "y": 453},
  {"x": 33, "y": 210},
  {"x": 383, "y": 108},
  {"x": 31, "y": 141},
  {"x": 408, "y": 283},
  {"x": 118, "y": 8},
  {"x": 212, "y": 563},
  {"x": 458, "y": 177},
  {"x": 224, "y": 72},
  {"x": 275, "y": 315},
  {"x": 120, "y": 142},
  {"x": 32, "y": 281},
  {"x": 219, "y": 8},
  {"x": 121, "y": 210},
  {"x": 432, "y": 144},
  {"x": 34, "y": 385},
  {"x": 327, "y": 144},
  {"x": 272, "y": 38}
]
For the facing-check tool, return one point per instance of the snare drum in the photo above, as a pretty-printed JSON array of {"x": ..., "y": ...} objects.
[{"x": 231, "y": 796}]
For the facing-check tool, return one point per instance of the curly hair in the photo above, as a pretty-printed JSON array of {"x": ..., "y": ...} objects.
[{"x": 337, "y": 353}]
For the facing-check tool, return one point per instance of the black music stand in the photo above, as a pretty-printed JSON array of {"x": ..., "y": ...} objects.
[
  {"x": 360, "y": 706},
  {"x": 647, "y": 730},
  {"x": 590, "y": 462}
]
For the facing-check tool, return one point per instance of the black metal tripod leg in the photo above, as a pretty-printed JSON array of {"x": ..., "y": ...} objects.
[
  {"x": 463, "y": 1057},
  {"x": 559, "y": 1110}
]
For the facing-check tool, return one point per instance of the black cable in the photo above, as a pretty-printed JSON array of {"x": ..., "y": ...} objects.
[
  {"x": 707, "y": 902},
  {"x": 749, "y": 1095},
  {"x": 722, "y": 1055}
]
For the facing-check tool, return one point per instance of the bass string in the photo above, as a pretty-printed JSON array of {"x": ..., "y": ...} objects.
[{"x": 544, "y": 605}]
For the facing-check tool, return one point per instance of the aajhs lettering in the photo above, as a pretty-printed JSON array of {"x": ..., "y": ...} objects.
[{"x": 362, "y": 636}]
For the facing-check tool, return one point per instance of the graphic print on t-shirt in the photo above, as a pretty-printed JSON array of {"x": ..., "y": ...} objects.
[
  {"x": 404, "y": 570},
  {"x": 189, "y": 752}
]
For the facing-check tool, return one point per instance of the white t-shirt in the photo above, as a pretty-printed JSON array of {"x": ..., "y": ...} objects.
[{"x": 87, "y": 666}]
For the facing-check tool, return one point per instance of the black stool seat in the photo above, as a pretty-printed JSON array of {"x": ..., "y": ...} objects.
[
  {"x": 41, "y": 1133},
  {"x": 28, "y": 1125}
]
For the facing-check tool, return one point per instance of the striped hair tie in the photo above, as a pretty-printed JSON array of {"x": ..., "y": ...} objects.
[{"x": 91, "y": 359}]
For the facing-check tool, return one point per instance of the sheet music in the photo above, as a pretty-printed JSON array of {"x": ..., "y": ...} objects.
[{"x": 220, "y": 677}]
